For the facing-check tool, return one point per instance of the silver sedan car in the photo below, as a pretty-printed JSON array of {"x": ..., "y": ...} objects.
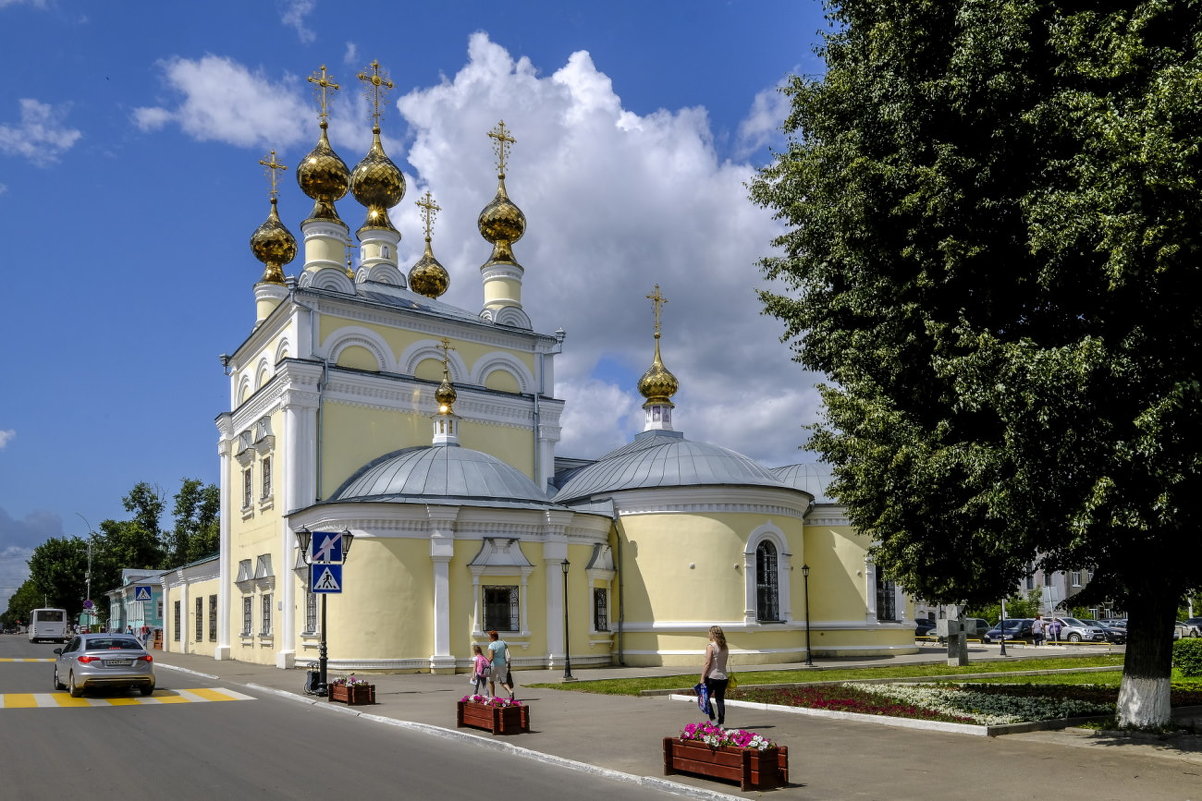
[{"x": 103, "y": 660}]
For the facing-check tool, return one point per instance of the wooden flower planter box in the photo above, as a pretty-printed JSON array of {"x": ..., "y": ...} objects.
[
  {"x": 750, "y": 768},
  {"x": 353, "y": 694},
  {"x": 495, "y": 719}
]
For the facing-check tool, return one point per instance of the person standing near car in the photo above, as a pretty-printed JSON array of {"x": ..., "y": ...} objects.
[
  {"x": 1037, "y": 626},
  {"x": 1054, "y": 630}
]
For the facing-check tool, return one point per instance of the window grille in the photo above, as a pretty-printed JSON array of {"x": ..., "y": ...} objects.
[
  {"x": 266, "y": 489},
  {"x": 501, "y": 608},
  {"x": 266, "y": 615},
  {"x": 600, "y": 609},
  {"x": 767, "y": 587},
  {"x": 177, "y": 621},
  {"x": 247, "y": 488},
  {"x": 200, "y": 619},
  {"x": 212, "y": 618},
  {"x": 246, "y": 615},
  {"x": 310, "y": 613},
  {"x": 886, "y": 599}
]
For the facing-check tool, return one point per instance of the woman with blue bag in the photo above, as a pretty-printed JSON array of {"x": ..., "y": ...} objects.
[{"x": 713, "y": 674}]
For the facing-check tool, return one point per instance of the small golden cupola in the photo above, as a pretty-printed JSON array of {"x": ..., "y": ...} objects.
[
  {"x": 428, "y": 277},
  {"x": 379, "y": 185},
  {"x": 274, "y": 245},
  {"x": 658, "y": 385},
  {"x": 324, "y": 176},
  {"x": 502, "y": 223},
  {"x": 446, "y": 422}
]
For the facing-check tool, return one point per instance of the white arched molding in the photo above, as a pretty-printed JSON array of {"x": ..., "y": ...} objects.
[
  {"x": 418, "y": 352},
  {"x": 784, "y": 568},
  {"x": 244, "y": 390},
  {"x": 282, "y": 350},
  {"x": 333, "y": 279},
  {"x": 365, "y": 338},
  {"x": 262, "y": 373},
  {"x": 506, "y": 363}
]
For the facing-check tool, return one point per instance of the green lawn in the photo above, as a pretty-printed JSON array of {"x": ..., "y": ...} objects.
[{"x": 633, "y": 686}]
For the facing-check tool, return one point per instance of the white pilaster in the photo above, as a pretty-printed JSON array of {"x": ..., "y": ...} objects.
[
  {"x": 442, "y": 549},
  {"x": 224, "y": 449}
]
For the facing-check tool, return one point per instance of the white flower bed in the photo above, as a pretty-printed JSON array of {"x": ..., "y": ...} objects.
[{"x": 985, "y": 708}]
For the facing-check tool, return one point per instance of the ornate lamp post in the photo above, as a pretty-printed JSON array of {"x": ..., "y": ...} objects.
[
  {"x": 303, "y": 538},
  {"x": 567, "y": 648},
  {"x": 805, "y": 577}
]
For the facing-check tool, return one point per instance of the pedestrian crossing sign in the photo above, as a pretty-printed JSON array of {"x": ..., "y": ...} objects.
[
  {"x": 325, "y": 578},
  {"x": 142, "y": 592}
]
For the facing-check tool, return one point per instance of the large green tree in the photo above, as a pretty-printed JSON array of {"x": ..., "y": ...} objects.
[
  {"x": 993, "y": 251},
  {"x": 58, "y": 569},
  {"x": 197, "y": 523}
]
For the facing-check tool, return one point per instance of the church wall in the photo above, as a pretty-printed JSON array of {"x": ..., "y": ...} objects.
[
  {"x": 384, "y": 610},
  {"x": 514, "y": 446},
  {"x": 399, "y": 340},
  {"x": 686, "y": 572}
]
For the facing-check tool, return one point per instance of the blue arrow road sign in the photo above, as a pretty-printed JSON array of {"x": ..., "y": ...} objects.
[
  {"x": 325, "y": 547},
  {"x": 325, "y": 578}
]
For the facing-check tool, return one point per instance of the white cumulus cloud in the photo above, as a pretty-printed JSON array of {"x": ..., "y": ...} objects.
[
  {"x": 225, "y": 101},
  {"x": 41, "y": 136},
  {"x": 615, "y": 203},
  {"x": 6, "y": 436},
  {"x": 763, "y": 123}
]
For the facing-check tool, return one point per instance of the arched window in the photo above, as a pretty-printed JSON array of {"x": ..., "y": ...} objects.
[
  {"x": 767, "y": 583},
  {"x": 886, "y": 598}
]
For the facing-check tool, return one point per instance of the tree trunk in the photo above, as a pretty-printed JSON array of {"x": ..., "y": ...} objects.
[{"x": 1144, "y": 692}]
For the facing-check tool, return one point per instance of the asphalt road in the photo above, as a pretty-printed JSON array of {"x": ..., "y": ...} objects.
[{"x": 260, "y": 748}]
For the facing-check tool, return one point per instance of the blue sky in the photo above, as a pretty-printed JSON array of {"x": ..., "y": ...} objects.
[{"x": 130, "y": 134}]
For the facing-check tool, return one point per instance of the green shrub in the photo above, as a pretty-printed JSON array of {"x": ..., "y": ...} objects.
[{"x": 1187, "y": 656}]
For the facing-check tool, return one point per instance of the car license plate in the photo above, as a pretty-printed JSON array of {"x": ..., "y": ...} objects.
[{"x": 118, "y": 662}]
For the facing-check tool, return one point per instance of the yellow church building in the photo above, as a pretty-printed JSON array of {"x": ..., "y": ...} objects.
[{"x": 361, "y": 403}]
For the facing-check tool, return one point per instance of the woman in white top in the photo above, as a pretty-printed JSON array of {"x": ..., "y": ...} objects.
[{"x": 713, "y": 672}]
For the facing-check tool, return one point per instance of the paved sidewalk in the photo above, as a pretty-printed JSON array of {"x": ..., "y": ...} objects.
[{"x": 829, "y": 759}]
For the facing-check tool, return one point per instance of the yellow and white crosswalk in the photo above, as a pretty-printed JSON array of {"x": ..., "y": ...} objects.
[
  {"x": 62, "y": 699},
  {"x": 9, "y": 659}
]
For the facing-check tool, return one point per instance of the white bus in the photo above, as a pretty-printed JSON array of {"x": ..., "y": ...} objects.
[{"x": 48, "y": 624}]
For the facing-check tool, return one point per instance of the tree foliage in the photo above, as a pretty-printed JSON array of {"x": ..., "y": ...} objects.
[{"x": 993, "y": 253}]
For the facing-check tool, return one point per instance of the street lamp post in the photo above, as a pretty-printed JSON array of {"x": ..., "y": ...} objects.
[
  {"x": 805, "y": 577},
  {"x": 304, "y": 537},
  {"x": 567, "y": 648},
  {"x": 89, "y": 606}
]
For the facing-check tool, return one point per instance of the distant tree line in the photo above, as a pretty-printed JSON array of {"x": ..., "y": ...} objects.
[{"x": 58, "y": 568}]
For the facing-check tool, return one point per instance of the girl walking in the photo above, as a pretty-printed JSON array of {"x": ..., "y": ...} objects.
[{"x": 713, "y": 672}]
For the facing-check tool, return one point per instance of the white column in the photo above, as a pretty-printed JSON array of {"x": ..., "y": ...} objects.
[
  {"x": 870, "y": 590},
  {"x": 225, "y": 582},
  {"x": 297, "y": 444},
  {"x": 442, "y": 550},
  {"x": 555, "y": 551},
  {"x": 749, "y": 599}
]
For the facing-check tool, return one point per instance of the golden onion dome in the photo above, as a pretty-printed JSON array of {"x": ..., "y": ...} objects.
[
  {"x": 274, "y": 245},
  {"x": 445, "y": 395},
  {"x": 428, "y": 277},
  {"x": 378, "y": 184},
  {"x": 658, "y": 385},
  {"x": 502, "y": 223},
  {"x": 323, "y": 176}
]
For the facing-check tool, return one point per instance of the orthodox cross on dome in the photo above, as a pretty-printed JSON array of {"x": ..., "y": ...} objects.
[
  {"x": 379, "y": 83},
  {"x": 657, "y": 301},
  {"x": 272, "y": 165},
  {"x": 429, "y": 211},
  {"x": 445, "y": 345},
  {"x": 324, "y": 84},
  {"x": 501, "y": 146}
]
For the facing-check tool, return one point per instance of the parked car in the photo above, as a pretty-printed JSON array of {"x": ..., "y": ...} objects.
[
  {"x": 1193, "y": 627},
  {"x": 1115, "y": 622},
  {"x": 1113, "y": 633},
  {"x": 103, "y": 660},
  {"x": 1018, "y": 628},
  {"x": 1073, "y": 630},
  {"x": 1183, "y": 629},
  {"x": 924, "y": 628}
]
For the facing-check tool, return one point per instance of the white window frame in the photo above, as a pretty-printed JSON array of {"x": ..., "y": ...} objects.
[{"x": 784, "y": 568}]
